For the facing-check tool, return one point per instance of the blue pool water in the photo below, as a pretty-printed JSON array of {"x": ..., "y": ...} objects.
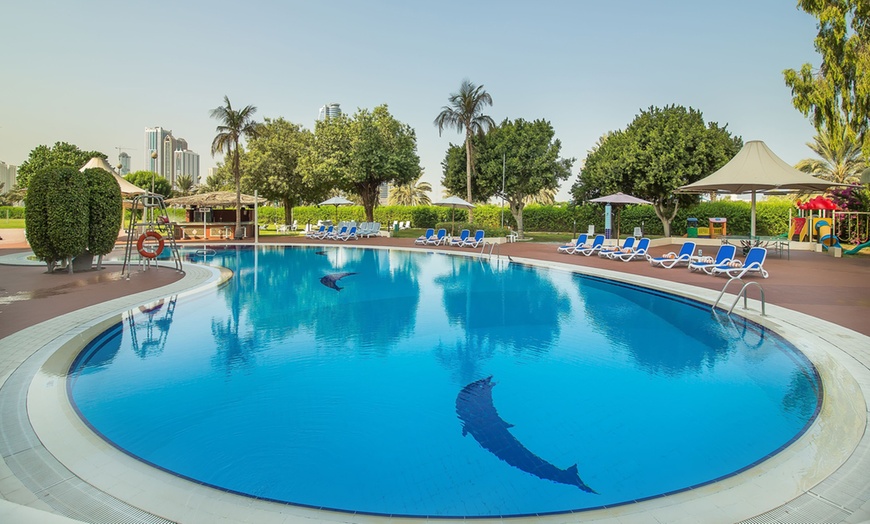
[{"x": 434, "y": 385}]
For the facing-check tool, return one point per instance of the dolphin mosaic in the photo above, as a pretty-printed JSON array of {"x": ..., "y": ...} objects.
[
  {"x": 331, "y": 281},
  {"x": 479, "y": 418}
]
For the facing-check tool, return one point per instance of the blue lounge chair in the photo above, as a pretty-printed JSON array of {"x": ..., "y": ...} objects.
[
  {"x": 638, "y": 253},
  {"x": 754, "y": 264},
  {"x": 325, "y": 234},
  {"x": 669, "y": 260},
  {"x": 463, "y": 236},
  {"x": 348, "y": 235},
  {"x": 723, "y": 257},
  {"x": 439, "y": 238},
  {"x": 627, "y": 245},
  {"x": 335, "y": 235},
  {"x": 426, "y": 236},
  {"x": 315, "y": 233},
  {"x": 570, "y": 248},
  {"x": 596, "y": 246},
  {"x": 476, "y": 241}
]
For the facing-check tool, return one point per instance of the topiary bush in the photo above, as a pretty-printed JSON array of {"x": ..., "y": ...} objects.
[{"x": 105, "y": 211}]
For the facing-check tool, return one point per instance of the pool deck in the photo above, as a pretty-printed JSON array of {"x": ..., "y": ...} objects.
[{"x": 836, "y": 290}]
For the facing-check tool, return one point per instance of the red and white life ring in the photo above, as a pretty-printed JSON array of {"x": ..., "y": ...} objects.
[{"x": 140, "y": 244}]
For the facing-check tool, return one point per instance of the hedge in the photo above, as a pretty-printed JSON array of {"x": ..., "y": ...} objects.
[{"x": 105, "y": 211}]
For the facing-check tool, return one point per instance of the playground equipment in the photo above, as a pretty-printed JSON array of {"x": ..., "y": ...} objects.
[{"x": 826, "y": 236}]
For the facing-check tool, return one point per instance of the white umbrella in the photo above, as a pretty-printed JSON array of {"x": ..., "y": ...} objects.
[
  {"x": 619, "y": 198},
  {"x": 336, "y": 201},
  {"x": 755, "y": 168},
  {"x": 454, "y": 202},
  {"x": 127, "y": 189}
]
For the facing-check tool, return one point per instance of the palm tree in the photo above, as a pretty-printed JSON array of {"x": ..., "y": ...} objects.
[
  {"x": 234, "y": 124},
  {"x": 840, "y": 158},
  {"x": 544, "y": 197},
  {"x": 184, "y": 183},
  {"x": 413, "y": 193},
  {"x": 465, "y": 113}
]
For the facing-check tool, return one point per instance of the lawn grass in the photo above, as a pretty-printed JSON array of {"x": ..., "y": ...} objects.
[{"x": 11, "y": 223}]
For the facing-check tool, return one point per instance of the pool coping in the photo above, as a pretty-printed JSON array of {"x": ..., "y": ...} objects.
[{"x": 843, "y": 353}]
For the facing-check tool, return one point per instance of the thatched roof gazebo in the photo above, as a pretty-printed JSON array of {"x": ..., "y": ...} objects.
[{"x": 215, "y": 199}]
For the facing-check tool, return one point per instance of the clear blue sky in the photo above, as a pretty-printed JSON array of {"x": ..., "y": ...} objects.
[{"x": 97, "y": 73}]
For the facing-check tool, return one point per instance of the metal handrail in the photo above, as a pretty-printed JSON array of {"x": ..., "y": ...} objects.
[{"x": 741, "y": 292}]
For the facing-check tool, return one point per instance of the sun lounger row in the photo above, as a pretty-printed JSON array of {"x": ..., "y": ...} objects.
[
  {"x": 431, "y": 238},
  {"x": 628, "y": 252},
  {"x": 726, "y": 263}
]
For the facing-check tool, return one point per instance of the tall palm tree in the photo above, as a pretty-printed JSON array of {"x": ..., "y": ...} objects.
[
  {"x": 414, "y": 193},
  {"x": 840, "y": 157},
  {"x": 465, "y": 113},
  {"x": 184, "y": 184},
  {"x": 234, "y": 124}
]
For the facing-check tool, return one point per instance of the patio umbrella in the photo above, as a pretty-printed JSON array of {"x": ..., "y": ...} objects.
[
  {"x": 618, "y": 198},
  {"x": 755, "y": 168},
  {"x": 454, "y": 202},
  {"x": 336, "y": 201}
]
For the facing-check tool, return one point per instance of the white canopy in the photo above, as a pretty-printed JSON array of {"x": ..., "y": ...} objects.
[
  {"x": 756, "y": 168},
  {"x": 127, "y": 189}
]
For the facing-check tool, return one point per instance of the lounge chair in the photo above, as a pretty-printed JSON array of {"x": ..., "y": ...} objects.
[
  {"x": 754, "y": 264},
  {"x": 725, "y": 255},
  {"x": 350, "y": 234},
  {"x": 335, "y": 235},
  {"x": 627, "y": 245},
  {"x": 425, "y": 237},
  {"x": 638, "y": 253},
  {"x": 671, "y": 259},
  {"x": 463, "y": 236},
  {"x": 315, "y": 232},
  {"x": 373, "y": 230},
  {"x": 571, "y": 246},
  {"x": 476, "y": 241},
  {"x": 439, "y": 238},
  {"x": 596, "y": 246}
]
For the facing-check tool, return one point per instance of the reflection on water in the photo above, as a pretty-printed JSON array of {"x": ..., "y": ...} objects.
[{"x": 281, "y": 387}]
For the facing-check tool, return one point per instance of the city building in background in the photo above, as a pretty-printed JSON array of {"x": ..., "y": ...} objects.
[
  {"x": 124, "y": 160},
  {"x": 173, "y": 158},
  {"x": 383, "y": 193},
  {"x": 8, "y": 176},
  {"x": 329, "y": 111}
]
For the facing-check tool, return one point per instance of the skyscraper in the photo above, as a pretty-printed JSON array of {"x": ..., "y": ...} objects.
[
  {"x": 124, "y": 160},
  {"x": 329, "y": 111},
  {"x": 173, "y": 157},
  {"x": 8, "y": 176}
]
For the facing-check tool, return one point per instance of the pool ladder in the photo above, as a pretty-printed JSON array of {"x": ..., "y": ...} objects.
[{"x": 742, "y": 292}]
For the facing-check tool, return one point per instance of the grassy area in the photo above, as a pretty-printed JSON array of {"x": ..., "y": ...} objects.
[{"x": 11, "y": 223}]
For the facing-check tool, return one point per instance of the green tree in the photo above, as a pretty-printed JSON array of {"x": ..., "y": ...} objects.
[
  {"x": 465, "y": 113},
  {"x": 144, "y": 179},
  {"x": 62, "y": 154},
  {"x": 105, "y": 211},
  {"x": 359, "y": 154},
  {"x": 234, "y": 124},
  {"x": 184, "y": 183},
  {"x": 837, "y": 95},
  {"x": 271, "y": 164},
  {"x": 221, "y": 180},
  {"x": 57, "y": 213},
  {"x": 661, "y": 150},
  {"x": 520, "y": 156},
  {"x": 840, "y": 158},
  {"x": 414, "y": 193}
]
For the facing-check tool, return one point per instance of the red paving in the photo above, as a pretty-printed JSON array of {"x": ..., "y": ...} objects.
[{"x": 834, "y": 289}]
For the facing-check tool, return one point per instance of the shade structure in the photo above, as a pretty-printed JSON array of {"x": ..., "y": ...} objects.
[
  {"x": 127, "y": 189},
  {"x": 336, "y": 201},
  {"x": 754, "y": 169},
  {"x": 619, "y": 198},
  {"x": 213, "y": 199},
  {"x": 453, "y": 202}
]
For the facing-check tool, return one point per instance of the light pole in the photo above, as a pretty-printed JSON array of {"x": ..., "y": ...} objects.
[{"x": 153, "y": 172}]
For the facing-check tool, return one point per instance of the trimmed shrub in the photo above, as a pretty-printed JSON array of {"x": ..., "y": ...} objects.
[
  {"x": 11, "y": 212},
  {"x": 105, "y": 211}
]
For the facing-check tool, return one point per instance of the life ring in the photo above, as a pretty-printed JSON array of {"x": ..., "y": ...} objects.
[{"x": 140, "y": 244}]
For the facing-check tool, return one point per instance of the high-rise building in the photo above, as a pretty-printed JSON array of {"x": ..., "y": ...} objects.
[
  {"x": 173, "y": 159},
  {"x": 8, "y": 176},
  {"x": 124, "y": 160},
  {"x": 329, "y": 111}
]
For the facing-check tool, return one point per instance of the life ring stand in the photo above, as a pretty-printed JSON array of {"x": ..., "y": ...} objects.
[{"x": 140, "y": 244}]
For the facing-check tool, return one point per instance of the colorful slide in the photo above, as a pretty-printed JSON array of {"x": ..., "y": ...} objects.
[
  {"x": 826, "y": 238},
  {"x": 859, "y": 247}
]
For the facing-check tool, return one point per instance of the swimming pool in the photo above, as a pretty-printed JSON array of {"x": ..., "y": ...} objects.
[{"x": 381, "y": 397}]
